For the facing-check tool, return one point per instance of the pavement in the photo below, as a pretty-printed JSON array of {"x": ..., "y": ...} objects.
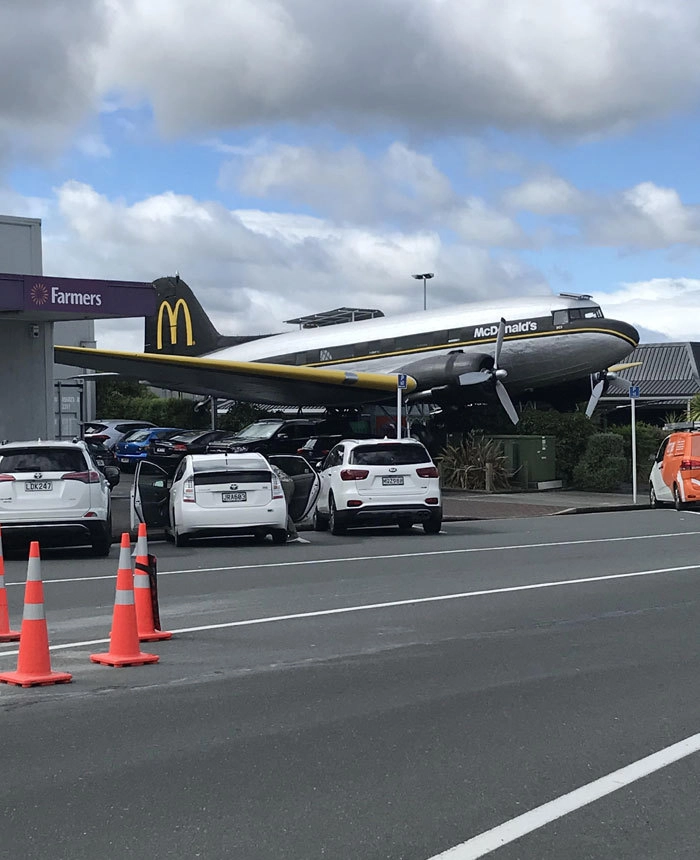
[{"x": 469, "y": 505}]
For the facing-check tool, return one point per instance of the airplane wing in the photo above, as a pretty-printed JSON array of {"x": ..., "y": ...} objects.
[{"x": 249, "y": 381}]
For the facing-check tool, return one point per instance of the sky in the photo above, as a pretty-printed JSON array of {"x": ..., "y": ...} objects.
[{"x": 291, "y": 156}]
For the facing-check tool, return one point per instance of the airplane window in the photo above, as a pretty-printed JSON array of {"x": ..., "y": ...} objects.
[
  {"x": 593, "y": 313},
  {"x": 560, "y": 317},
  {"x": 575, "y": 314}
]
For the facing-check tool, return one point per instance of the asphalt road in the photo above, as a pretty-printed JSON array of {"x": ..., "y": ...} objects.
[{"x": 370, "y": 696}]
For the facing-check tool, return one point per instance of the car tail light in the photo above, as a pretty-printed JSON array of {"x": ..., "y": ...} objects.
[
  {"x": 179, "y": 446},
  {"x": 687, "y": 465},
  {"x": 353, "y": 474},
  {"x": 189, "y": 494},
  {"x": 7, "y": 477},
  {"x": 354, "y": 503},
  {"x": 84, "y": 477},
  {"x": 428, "y": 472},
  {"x": 277, "y": 491},
  {"x": 431, "y": 501}
]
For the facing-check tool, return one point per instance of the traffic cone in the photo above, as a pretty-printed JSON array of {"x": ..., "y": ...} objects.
[
  {"x": 34, "y": 660},
  {"x": 6, "y": 635},
  {"x": 124, "y": 638},
  {"x": 142, "y": 593}
]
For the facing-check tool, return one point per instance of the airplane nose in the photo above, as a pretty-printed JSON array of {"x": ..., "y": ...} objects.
[{"x": 624, "y": 330}]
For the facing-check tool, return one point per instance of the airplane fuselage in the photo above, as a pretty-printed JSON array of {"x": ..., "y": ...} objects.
[{"x": 548, "y": 340}]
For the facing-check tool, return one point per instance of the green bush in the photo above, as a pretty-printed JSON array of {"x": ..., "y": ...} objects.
[
  {"x": 603, "y": 466},
  {"x": 649, "y": 438},
  {"x": 572, "y": 431}
]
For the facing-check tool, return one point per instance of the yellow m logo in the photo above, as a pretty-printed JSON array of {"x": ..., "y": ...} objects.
[{"x": 173, "y": 314}]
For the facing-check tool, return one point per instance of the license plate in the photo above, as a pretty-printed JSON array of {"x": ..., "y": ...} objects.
[
  {"x": 392, "y": 481},
  {"x": 38, "y": 486},
  {"x": 100, "y": 462},
  {"x": 159, "y": 450},
  {"x": 234, "y": 497}
]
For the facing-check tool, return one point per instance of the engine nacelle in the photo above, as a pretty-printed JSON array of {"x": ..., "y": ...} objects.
[{"x": 444, "y": 370}]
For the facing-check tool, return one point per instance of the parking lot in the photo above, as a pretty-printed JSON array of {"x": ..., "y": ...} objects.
[{"x": 371, "y": 695}]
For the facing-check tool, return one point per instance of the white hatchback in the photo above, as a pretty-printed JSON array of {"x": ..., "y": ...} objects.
[
  {"x": 55, "y": 493},
  {"x": 212, "y": 495},
  {"x": 379, "y": 481}
]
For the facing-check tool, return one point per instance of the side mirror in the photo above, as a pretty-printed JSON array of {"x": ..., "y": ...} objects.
[
  {"x": 283, "y": 435},
  {"x": 113, "y": 476}
]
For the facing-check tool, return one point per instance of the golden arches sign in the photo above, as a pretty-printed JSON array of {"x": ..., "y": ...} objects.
[{"x": 173, "y": 314}]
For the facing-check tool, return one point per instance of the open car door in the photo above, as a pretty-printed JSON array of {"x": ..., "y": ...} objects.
[
  {"x": 307, "y": 483},
  {"x": 150, "y": 495}
]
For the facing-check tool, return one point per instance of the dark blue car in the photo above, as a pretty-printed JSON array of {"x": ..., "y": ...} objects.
[{"x": 134, "y": 447}]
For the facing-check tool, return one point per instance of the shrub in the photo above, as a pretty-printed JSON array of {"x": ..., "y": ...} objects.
[
  {"x": 463, "y": 465},
  {"x": 649, "y": 438},
  {"x": 603, "y": 466}
]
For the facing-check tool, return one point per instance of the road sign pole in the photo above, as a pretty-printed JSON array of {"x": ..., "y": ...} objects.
[
  {"x": 633, "y": 402},
  {"x": 398, "y": 411}
]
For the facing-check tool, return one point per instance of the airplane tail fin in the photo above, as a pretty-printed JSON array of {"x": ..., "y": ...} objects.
[{"x": 181, "y": 325}]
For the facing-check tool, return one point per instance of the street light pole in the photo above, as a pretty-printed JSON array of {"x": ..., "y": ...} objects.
[{"x": 425, "y": 277}]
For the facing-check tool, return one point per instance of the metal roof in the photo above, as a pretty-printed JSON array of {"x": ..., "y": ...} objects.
[
  {"x": 666, "y": 370},
  {"x": 336, "y": 316}
]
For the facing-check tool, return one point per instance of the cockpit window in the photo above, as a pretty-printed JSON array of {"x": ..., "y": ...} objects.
[{"x": 573, "y": 314}]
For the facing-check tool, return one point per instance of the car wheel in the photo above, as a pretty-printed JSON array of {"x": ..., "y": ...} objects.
[
  {"x": 405, "y": 525},
  {"x": 179, "y": 539},
  {"x": 433, "y": 525},
  {"x": 677, "y": 503},
  {"x": 653, "y": 501},
  {"x": 102, "y": 542},
  {"x": 279, "y": 536},
  {"x": 335, "y": 524},
  {"x": 320, "y": 521}
]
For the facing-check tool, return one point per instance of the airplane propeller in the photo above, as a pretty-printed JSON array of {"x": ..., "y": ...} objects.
[
  {"x": 494, "y": 374},
  {"x": 604, "y": 377}
]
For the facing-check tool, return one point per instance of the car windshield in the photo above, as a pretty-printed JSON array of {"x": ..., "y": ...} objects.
[
  {"x": 389, "y": 455},
  {"x": 42, "y": 460},
  {"x": 259, "y": 430}
]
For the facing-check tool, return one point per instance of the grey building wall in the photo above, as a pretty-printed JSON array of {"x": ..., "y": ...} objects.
[{"x": 26, "y": 349}]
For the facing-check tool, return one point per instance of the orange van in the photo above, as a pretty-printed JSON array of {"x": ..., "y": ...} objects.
[{"x": 675, "y": 474}]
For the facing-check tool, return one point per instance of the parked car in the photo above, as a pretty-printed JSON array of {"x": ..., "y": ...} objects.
[
  {"x": 110, "y": 431},
  {"x": 316, "y": 449},
  {"x": 55, "y": 492},
  {"x": 211, "y": 496},
  {"x": 271, "y": 436},
  {"x": 675, "y": 474},
  {"x": 379, "y": 481},
  {"x": 102, "y": 456},
  {"x": 134, "y": 447},
  {"x": 167, "y": 452}
]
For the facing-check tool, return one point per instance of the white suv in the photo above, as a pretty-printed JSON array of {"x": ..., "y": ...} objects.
[
  {"x": 54, "y": 492},
  {"x": 378, "y": 481}
]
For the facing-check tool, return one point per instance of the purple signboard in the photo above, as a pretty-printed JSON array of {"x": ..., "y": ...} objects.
[{"x": 77, "y": 297}]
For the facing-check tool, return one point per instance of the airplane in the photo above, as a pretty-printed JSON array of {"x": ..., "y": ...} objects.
[{"x": 456, "y": 355}]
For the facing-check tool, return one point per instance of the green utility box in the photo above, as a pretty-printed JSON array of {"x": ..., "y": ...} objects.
[{"x": 530, "y": 460}]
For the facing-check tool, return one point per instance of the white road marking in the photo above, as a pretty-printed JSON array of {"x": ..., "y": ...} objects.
[
  {"x": 391, "y": 604},
  {"x": 511, "y": 830},
  {"x": 364, "y": 558}
]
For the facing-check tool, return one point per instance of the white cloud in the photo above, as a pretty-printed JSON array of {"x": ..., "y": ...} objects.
[
  {"x": 545, "y": 195},
  {"x": 93, "y": 146},
  {"x": 438, "y": 64},
  {"x": 668, "y": 306},
  {"x": 254, "y": 269}
]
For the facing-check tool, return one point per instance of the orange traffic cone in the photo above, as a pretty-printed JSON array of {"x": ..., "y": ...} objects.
[
  {"x": 34, "y": 661},
  {"x": 6, "y": 635},
  {"x": 124, "y": 638},
  {"x": 142, "y": 593}
]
